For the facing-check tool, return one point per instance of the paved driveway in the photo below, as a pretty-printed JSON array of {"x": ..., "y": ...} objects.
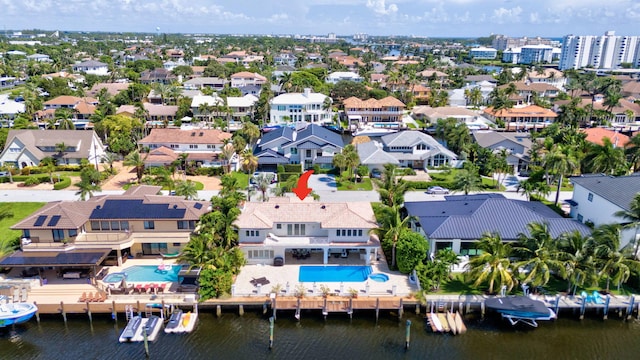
[{"x": 323, "y": 182}]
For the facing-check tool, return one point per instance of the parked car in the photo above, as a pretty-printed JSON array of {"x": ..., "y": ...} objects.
[
  {"x": 376, "y": 174},
  {"x": 437, "y": 190},
  {"x": 4, "y": 173},
  {"x": 274, "y": 177}
]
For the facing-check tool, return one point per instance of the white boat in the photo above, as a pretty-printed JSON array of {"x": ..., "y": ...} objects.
[
  {"x": 436, "y": 322},
  {"x": 16, "y": 313}
]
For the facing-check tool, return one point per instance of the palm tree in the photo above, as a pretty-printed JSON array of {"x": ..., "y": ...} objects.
[
  {"x": 632, "y": 215},
  {"x": 86, "y": 189},
  {"x": 8, "y": 167},
  {"x": 632, "y": 150},
  {"x": 349, "y": 159},
  {"x": 579, "y": 262},
  {"x": 109, "y": 158},
  {"x": 540, "y": 255},
  {"x": 49, "y": 164},
  {"x": 228, "y": 151},
  {"x": 61, "y": 149},
  {"x": 493, "y": 264},
  {"x": 251, "y": 132},
  {"x": 606, "y": 158},
  {"x": 249, "y": 161},
  {"x": 613, "y": 263},
  {"x": 137, "y": 161},
  {"x": 559, "y": 161},
  {"x": 187, "y": 189},
  {"x": 467, "y": 180},
  {"x": 390, "y": 189},
  {"x": 391, "y": 226},
  {"x": 262, "y": 182}
]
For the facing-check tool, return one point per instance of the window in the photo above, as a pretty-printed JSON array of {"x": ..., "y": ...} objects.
[
  {"x": 210, "y": 146},
  {"x": 115, "y": 225},
  {"x": 26, "y": 234},
  {"x": 308, "y": 153},
  {"x": 124, "y": 225},
  {"x": 186, "y": 224},
  {"x": 359, "y": 232},
  {"x": 294, "y": 151},
  {"x": 469, "y": 248},
  {"x": 278, "y": 226},
  {"x": 174, "y": 146},
  {"x": 260, "y": 254},
  {"x": 421, "y": 147},
  {"x": 252, "y": 233},
  {"x": 58, "y": 235},
  {"x": 149, "y": 225},
  {"x": 104, "y": 225},
  {"x": 193, "y": 146},
  {"x": 338, "y": 232},
  {"x": 580, "y": 217},
  {"x": 590, "y": 197},
  {"x": 296, "y": 229},
  {"x": 95, "y": 225},
  {"x": 73, "y": 232}
]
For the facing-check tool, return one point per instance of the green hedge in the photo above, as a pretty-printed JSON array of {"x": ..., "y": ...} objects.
[
  {"x": 293, "y": 168},
  {"x": 64, "y": 183},
  {"x": 23, "y": 178},
  {"x": 423, "y": 185},
  {"x": 282, "y": 177}
]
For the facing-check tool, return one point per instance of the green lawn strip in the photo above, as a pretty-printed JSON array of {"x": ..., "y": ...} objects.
[
  {"x": 243, "y": 179},
  {"x": 364, "y": 185},
  {"x": 20, "y": 211}
]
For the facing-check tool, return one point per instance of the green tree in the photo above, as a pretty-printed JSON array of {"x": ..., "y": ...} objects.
[
  {"x": 606, "y": 158},
  {"x": 411, "y": 250},
  {"x": 467, "y": 180},
  {"x": 187, "y": 189},
  {"x": 262, "y": 183},
  {"x": 632, "y": 220},
  {"x": 493, "y": 265},
  {"x": 249, "y": 161},
  {"x": 136, "y": 160},
  {"x": 632, "y": 150},
  {"x": 540, "y": 255},
  {"x": 560, "y": 161},
  {"x": 392, "y": 224}
]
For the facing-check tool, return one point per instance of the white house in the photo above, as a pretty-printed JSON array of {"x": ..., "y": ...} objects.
[
  {"x": 338, "y": 76},
  {"x": 241, "y": 106},
  {"x": 284, "y": 226},
  {"x": 9, "y": 109},
  {"x": 483, "y": 53},
  {"x": 298, "y": 107},
  {"x": 28, "y": 147},
  {"x": 245, "y": 78},
  {"x": 92, "y": 67},
  {"x": 210, "y": 100},
  {"x": 597, "y": 197}
]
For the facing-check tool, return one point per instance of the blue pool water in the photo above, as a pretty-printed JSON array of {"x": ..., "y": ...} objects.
[
  {"x": 114, "y": 278},
  {"x": 379, "y": 277},
  {"x": 334, "y": 273},
  {"x": 150, "y": 273}
]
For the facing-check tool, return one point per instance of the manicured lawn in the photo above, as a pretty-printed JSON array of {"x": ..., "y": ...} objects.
[
  {"x": 457, "y": 285},
  {"x": 365, "y": 185},
  {"x": 243, "y": 179},
  {"x": 20, "y": 211}
]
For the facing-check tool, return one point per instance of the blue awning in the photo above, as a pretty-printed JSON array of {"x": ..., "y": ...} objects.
[{"x": 571, "y": 202}]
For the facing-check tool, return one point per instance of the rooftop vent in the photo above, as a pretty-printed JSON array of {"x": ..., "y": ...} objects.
[
  {"x": 201, "y": 133},
  {"x": 175, "y": 207},
  {"x": 323, "y": 207},
  {"x": 277, "y": 206}
]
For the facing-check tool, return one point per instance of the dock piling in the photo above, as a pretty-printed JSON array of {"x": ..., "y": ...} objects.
[
  {"x": 583, "y": 308},
  {"x": 271, "y": 325},
  {"x": 407, "y": 335},
  {"x": 114, "y": 313},
  {"x": 218, "y": 310},
  {"x": 89, "y": 312},
  {"x": 482, "y": 309},
  {"x": 64, "y": 314},
  {"x": 377, "y": 308},
  {"x": 241, "y": 309},
  {"x": 557, "y": 307},
  {"x": 418, "y": 309},
  {"x": 632, "y": 300},
  {"x": 605, "y": 314},
  {"x": 37, "y": 313}
]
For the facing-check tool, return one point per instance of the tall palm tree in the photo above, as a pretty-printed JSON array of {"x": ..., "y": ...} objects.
[
  {"x": 136, "y": 160},
  {"x": 109, "y": 158},
  {"x": 249, "y": 162},
  {"x": 579, "y": 262},
  {"x": 390, "y": 189},
  {"x": 61, "y": 149},
  {"x": 391, "y": 226},
  {"x": 633, "y": 217},
  {"x": 351, "y": 160},
  {"x": 228, "y": 151},
  {"x": 560, "y": 161},
  {"x": 632, "y": 150},
  {"x": 493, "y": 265},
  {"x": 467, "y": 180},
  {"x": 187, "y": 189},
  {"x": 251, "y": 132},
  {"x": 262, "y": 182},
  {"x": 540, "y": 255},
  {"x": 613, "y": 263},
  {"x": 606, "y": 158}
]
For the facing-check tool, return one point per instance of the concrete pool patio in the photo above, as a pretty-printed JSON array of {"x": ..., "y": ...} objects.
[{"x": 288, "y": 274}]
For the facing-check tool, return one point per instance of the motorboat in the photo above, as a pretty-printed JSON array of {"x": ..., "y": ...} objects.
[
  {"x": 16, "y": 313},
  {"x": 131, "y": 329},
  {"x": 174, "y": 321},
  {"x": 520, "y": 309}
]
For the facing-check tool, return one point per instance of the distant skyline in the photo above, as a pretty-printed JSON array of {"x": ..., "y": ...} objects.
[{"x": 431, "y": 18}]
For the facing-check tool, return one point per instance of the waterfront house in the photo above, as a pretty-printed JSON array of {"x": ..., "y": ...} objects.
[
  {"x": 203, "y": 146},
  {"x": 417, "y": 150},
  {"x": 460, "y": 220},
  {"x": 28, "y": 147},
  {"x": 526, "y": 90},
  {"x": 597, "y": 135},
  {"x": 138, "y": 222},
  {"x": 388, "y": 109},
  {"x": 522, "y": 118},
  {"x": 431, "y": 115},
  {"x": 81, "y": 107},
  {"x": 299, "y": 107},
  {"x": 212, "y": 103},
  {"x": 241, "y": 106},
  {"x": 597, "y": 197},
  {"x": 308, "y": 145},
  {"x": 92, "y": 67},
  {"x": 284, "y": 226},
  {"x": 516, "y": 144},
  {"x": 199, "y": 83}
]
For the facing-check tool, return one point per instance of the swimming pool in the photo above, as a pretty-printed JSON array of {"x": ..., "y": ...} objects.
[
  {"x": 115, "y": 278},
  {"x": 149, "y": 273},
  {"x": 334, "y": 273},
  {"x": 379, "y": 277}
]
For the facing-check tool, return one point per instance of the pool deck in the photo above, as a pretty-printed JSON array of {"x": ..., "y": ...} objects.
[{"x": 288, "y": 274}]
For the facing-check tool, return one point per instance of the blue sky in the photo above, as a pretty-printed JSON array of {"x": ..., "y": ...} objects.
[{"x": 433, "y": 18}]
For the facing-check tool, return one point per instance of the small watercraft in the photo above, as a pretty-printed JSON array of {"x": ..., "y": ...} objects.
[
  {"x": 16, "y": 313},
  {"x": 174, "y": 321},
  {"x": 520, "y": 309},
  {"x": 130, "y": 330}
]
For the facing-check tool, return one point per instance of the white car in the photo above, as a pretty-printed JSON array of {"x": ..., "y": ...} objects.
[{"x": 437, "y": 190}]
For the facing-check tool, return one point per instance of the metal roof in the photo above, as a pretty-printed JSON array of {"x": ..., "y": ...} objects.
[
  {"x": 469, "y": 217},
  {"x": 617, "y": 190},
  {"x": 69, "y": 258}
]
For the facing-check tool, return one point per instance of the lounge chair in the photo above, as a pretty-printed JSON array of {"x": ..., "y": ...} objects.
[
  {"x": 83, "y": 298},
  {"x": 147, "y": 288},
  {"x": 259, "y": 280},
  {"x": 154, "y": 288},
  {"x": 162, "y": 287},
  {"x": 138, "y": 289},
  {"x": 89, "y": 297}
]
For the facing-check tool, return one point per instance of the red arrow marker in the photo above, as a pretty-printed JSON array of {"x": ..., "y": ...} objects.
[{"x": 302, "y": 190}]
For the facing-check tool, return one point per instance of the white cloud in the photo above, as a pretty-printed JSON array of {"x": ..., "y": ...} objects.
[
  {"x": 380, "y": 8},
  {"x": 504, "y": 15}
]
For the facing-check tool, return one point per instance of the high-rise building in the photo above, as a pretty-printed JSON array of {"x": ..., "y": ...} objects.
[{"x": 607, "y": 51}]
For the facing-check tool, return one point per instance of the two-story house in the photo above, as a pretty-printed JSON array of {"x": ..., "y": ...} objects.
[
  {"x": 204, "y": 107},
  {"x": 517, "y": 145},
  {"x": 298, "y": 107},
  {"x": 527, "y": 90},
  {"x": 138, "y": 222},
  {"x": 245, "y": 78},
  {"x": 337, "y": 76},
  {"x": 203, "y": 146},
  {"x": 282, "y": 226},
  {"x": 522, "y": 118},
  {"x": 159, "y": 75},
  {"x": 597, "y": 197},
  {"x": 92, "y": 67},
  {"x": 285, "y": 58},
  {"x": 199, "y": 83},
  {"x": 412, "y": 149},
  {"x": 460, "y": 220},
  {"x": 310, "y": 145},
  {"x": 241, "y": 106},
  {"x": 388, "y": 109},
  {"x": 81, "y": 107},
  {"x": 28, "y": 147}
]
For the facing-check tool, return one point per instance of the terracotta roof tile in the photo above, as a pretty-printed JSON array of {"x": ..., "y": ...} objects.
[
  {"x": 597, "y": 135},
  {"x": 179, "y": 136}
]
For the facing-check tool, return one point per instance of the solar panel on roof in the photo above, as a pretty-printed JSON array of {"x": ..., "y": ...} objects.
[
  {"x": 197, "y": 206},
  {"x": 40, "y": 220},
  {"x": 54, "y": 220}
]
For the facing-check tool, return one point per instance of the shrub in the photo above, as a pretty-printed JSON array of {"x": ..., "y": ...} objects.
[
  {"x": 31, "y": 181},
  {"x": 64, "y": 183},
  {"x": 280, "y": 169},
  {"x": 293, "y": 168},
  {"x": 282, "y": 177}
]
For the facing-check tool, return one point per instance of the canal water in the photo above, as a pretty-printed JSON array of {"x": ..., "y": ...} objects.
[{"x": 247, "y": 337}]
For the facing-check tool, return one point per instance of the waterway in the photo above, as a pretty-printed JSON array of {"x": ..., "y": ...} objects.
[{"x": 247, "y": 337}]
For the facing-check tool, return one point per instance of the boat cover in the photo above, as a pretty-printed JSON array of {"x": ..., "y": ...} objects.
[{"x": 521, "y": 306}]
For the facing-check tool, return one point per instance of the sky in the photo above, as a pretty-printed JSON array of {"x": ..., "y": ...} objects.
[{"x": 430, "y": 18}]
